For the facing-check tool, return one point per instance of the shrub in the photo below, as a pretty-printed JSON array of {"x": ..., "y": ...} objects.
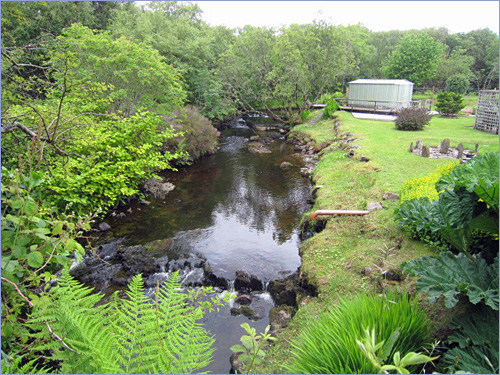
[
  {"x": 425, "y": 186},
  {"x": 412, "y": 118},
  {"x": 330, "y": 109},
  {"x": 458, "y": 83},
  {"x": 325, "y": 98},
  {"x": 304, "y": 115},
  {"x": 328, "y": 346},
  {"x": 199, "y": 136},
  {"x": 36, "y": 241},
  {"x": 449, "y": 103}
]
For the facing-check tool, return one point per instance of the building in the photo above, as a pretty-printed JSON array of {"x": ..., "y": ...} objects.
[{"x": 380, "y": 95}]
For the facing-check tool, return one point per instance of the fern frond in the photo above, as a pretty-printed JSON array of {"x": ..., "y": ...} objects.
[{"x": 131, "y": 335}]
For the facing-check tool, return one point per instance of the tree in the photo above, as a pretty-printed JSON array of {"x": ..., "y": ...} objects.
[
  {"x": 176, "y": 30},
  {"x": 457, "y": 83},
  {"x": 245, "y": 67},
  {"x": 309, "y": 60},
  {"x": 92, "y": 132},
  {"x": 415, "y": 58},
  {"x": 138, "y": 76},
  {"x": 482, "y": 45},
  {"x": 455, "y": 63}
]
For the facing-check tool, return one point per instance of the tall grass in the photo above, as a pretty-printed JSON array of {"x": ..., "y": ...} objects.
[{"x": 328, "y": 346}]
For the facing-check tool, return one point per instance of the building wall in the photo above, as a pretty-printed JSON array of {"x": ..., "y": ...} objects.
[{"x": 380, "y": 93}]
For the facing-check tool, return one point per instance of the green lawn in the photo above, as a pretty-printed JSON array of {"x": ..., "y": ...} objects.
[{"x": 388, "y": 147}]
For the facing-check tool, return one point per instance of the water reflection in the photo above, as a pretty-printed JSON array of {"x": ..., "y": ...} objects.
[{"x": 238, "y": 209}]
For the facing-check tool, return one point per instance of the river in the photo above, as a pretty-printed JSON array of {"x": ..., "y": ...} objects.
[{"x": 239, "y": 210}]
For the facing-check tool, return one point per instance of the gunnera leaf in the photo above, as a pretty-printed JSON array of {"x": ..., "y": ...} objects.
[
  {"x": 476, "y": 335},
  {"x": 480, "y": 175},
  {"x": 449, "y": 275}
]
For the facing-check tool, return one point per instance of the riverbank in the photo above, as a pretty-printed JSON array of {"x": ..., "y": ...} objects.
[{"x": 352, "y": 255}]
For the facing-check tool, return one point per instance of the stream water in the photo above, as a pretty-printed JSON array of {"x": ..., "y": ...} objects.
[{"x": 237, "y": 209}]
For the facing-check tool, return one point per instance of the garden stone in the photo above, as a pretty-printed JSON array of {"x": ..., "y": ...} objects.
[
  {"x": 392, "y": 196},
  {"x": 426, "y": 152},
  {"x": 411, "y": 147},
  {"x": 419, "y": 144},
  {"x": 444, "y": 147},
  {"x": 460, "y": 149},
  {"x": 372, "y": 206}
]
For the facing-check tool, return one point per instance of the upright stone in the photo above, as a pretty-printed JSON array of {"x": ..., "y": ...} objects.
[
  {"x": 411, "y": 147},
  {"x": 426, "y": 151},
  {"x": 477, "y": 149},
  {"x": 419, "y": 144},
  {"x": 460, "y": 149},
  {"x": 444, "y": 147}
]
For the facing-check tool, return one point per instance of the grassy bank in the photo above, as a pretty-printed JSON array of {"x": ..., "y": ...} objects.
[{"x": 337, "y": 260}]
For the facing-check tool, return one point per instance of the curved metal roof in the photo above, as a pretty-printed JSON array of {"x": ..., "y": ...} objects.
[{"x": 383, "y": 81}]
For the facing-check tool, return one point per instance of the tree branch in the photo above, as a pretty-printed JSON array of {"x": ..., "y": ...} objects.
[
  {"x": 18, "y": 291},
  {"x": 59, "y": 339}
]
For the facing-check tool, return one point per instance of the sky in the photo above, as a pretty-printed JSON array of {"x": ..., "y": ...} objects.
[{"x": 456, "y": 16}]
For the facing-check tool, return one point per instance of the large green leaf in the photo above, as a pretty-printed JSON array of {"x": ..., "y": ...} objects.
[
  {"x": 472, "y": 360},
  {"x": 476, "y": 334},
  {"x": 451, "y": 216},
  {"x": 479, "y": 176},
  {"x": 449, "y": 275}
]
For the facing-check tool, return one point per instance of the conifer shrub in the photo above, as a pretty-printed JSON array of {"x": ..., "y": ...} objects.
[
  {"x": 449, "y": 103},
  {"x": 328, "y": 345},
  {"x": 412, "y": 119}
]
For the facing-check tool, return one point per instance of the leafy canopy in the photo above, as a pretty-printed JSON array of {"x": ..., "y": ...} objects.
[{"x": 415, "y": 58}]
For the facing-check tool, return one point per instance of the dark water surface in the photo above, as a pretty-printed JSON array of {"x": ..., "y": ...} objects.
[{"x": 240, "y": 211}]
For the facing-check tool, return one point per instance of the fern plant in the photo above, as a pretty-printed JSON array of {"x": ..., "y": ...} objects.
[{"x": 137, "y": 334}]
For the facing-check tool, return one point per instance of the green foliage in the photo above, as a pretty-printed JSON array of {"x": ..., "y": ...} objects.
[
  {"x": 418, "y": 187},
  {"x": 136, "y": 334},
  {"x": 478, "y": 176},
  {"x": 449, "y": 275},
  {"x": 449, "y": 103},
  {"x": 474, "y": 343},
  {"x": 412, "y": 118},
  {"x": 377, "y": 354},
  {"x": 252, "y": 348},
  {"x": 330, "y": 109},
  {"x": 329, "y": 344},
  {"x": 198, "y": 136},
  {"x": 115, "y": 157},
  {"x": 36, "y": 241},
  {"x": 304, "y": 115},
  {"x": 326, "y": 98},
  {"x": 415, "y": 58},
  {"x": 137, "y": 74},
  {"x": 469, "y": 202},
  {"x": 458, "y": 83}
]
